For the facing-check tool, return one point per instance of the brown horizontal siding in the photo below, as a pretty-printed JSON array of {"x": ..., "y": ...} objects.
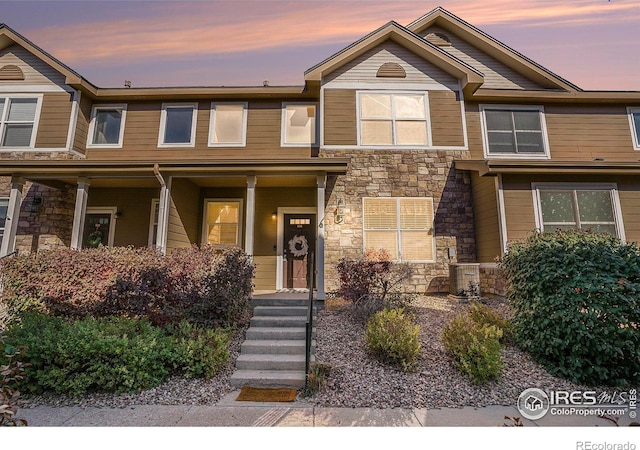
[
  {"x": 474, "y": 130},
  {"x": 485, "y": 211},
  {"x": 446, "y": 119},
  {"x": 629, "y": 192},
  {"x": 53, "y": 126},
  {"x": 340, "y": 121},
  {"x": 518, "y": 206},
  {"x": 82, "y": 125}
]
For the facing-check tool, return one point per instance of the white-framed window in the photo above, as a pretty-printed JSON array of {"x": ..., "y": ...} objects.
[
  {"x": 106, "y": 128},
  {"x": 153, "y": 221},
  {"x": 222, "y": 222},
  {"x": 514, "y": 131},
  {"x": 403, "y": 226},
  {"x": 393, "y": 118},
  {"x": 228, "y": 125},
  {"x": 178, "y": 125},
  {"x": 4, "y": 208},
  {"x": 299, "y": 127},
  {"x": 99, "y": 226},
  {"x": 634, "y": 123},
  {"x": 563, "y": 206},
  {"x": 19, "y": 116}
]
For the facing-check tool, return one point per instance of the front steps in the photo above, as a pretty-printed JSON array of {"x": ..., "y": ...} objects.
[{"x": 273, "y": 353}]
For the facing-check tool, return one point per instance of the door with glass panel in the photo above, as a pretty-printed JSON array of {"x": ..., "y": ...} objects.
[{"x": 299, "y": 242}]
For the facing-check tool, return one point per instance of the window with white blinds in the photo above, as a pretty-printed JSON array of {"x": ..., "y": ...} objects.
[
  {"x": 228, "y": 125},
  {"x": 18, "y": 117},
  {"x": 402, "y": 226}
]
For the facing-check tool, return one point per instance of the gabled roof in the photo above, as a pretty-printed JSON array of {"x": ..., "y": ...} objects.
[
  {"x": 469, "y": 77},
  {"x": 501, "y": 52}
]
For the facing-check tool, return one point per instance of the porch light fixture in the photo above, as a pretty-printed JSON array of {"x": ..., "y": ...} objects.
[
  {"x": 274, "y": 215},
  {"x": 36, "y": 202},
  {"x": 340, "y": 211}
]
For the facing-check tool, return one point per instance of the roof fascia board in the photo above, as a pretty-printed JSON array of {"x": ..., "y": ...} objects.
[
  {"x": 494, "y": 167},
  {"x": 179, "y": 93},
  {"x": 488, "y": 95},
  {"x": 491, "y": 46}
]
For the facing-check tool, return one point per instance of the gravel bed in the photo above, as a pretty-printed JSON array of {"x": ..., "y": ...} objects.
[{"x": 357, "y": 380}]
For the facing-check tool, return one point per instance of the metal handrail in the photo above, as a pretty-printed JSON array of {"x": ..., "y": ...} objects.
[{"x": 309, "y": 325}]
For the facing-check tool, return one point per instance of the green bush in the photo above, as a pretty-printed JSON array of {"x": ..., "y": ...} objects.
[
  {"x": 108, "y": 355},
  {"x": 475, "y": 347},
  {"x": 485, "y": 315},
  {"x": 392, "y": 337},
  {"x": 576, "y": 303},
  {"x": 199, "y": 352}
]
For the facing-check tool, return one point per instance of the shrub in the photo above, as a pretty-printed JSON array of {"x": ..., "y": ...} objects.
[
  {"x": 475, "y": 347},
  {"x": 372, "y": 283},
  {"x": 75, "y": 357},
  {"x": 392, "y": 337},
  {"x": 576, "y": 303},
  {"x": 316, "y": 378},
  {"x": 11, "y": 373},
  {"x": 485, "y": 315},
  {"x": 199, "y": 352}
]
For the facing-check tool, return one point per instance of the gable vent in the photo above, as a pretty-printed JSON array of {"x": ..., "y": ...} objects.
[
  {"x": 391, "y": 70},
  {"x": 11, "y": 72},
  {"x": 439, "y": 39}
]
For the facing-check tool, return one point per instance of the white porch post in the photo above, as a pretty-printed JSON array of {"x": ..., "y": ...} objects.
[
  {"x": 82, "y": 194},
  {"x": 13, "y": 217},
  {"x": 163, "y": 219},
  {"x": 251, "y": 214},
  {"x": 322, "y": 182}
]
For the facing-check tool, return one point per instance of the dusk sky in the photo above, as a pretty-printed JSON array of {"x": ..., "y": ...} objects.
[{"x": 592, "y": 43}]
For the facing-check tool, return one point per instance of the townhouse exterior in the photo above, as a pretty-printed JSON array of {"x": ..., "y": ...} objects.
[{"x": 433, "y": 141}]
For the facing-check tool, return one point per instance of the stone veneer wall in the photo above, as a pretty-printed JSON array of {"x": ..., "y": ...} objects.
[
  {"x": 405, "y": 173},
  {"x": 47, "y": 226},
  {"x": 491, "y": 281}
]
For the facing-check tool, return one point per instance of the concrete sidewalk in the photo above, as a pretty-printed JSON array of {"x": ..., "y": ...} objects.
[{"x": 230, "y": 413}]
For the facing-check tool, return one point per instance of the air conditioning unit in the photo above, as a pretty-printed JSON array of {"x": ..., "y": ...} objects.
[{"x": 461, "y": 274}]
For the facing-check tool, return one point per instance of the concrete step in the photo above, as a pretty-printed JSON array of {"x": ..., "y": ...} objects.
[
  {"x": 270, "y": 362},
  {"x": 277, "y": 333},
  {"x": 275, "y": 347},
  {"x": 281, "y": 311},
  {"x": 278, "y": 321},
  {"x": 268, "y": 378},
  {"x": 279, "y": 302}
]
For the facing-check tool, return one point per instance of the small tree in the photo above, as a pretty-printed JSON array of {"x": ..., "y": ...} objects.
[{"x": 576, "y": 302}]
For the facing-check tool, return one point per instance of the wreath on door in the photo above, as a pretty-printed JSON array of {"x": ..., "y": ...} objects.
[{"x": 298, "y": 246}]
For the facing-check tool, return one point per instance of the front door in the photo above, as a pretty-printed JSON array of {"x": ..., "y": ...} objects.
[
  {"x": 299, "y": 242},
  {"x": 98, "y": 227}
]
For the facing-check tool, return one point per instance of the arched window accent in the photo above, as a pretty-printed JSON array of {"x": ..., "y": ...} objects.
[
  {"x": 439, "y": 39},
  {"x": 391, "y": 70},
  {"x": 11, "y": 72}
]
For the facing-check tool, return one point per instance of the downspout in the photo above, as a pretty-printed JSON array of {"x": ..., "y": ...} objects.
[{"x": 161, "y": 236}]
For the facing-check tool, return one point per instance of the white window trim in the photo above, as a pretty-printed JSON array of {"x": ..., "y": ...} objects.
[
  {"x": 163, "y": 124},
  {"x": 543, "y": 127},
  {"x": 611, "y": 187},
  {"x": 92, "y": 125},
  {"x": 36, "y": 120},
  {"x": 399, "y": 230},
  {"x": 634, "y": 133},
  {"x": 153, "y": 220},
  {"x": 243, "y": 143},
  {"x": 3, "y": 229},
  {"x": 427, "y": 120},
  {"x": 112, "y": 221},
  {"x": 240, "y": 201},
  {"x": 283, "y": 125}
]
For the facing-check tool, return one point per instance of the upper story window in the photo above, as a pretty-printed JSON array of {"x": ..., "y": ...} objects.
[
  {"x": 19, "y": 116},
  {"x": 228, "y": 125},
  {"x": 514, "y": 131},
  {"x": 634, "y": 121},
  {"x": 581, "y": 207},
  {"x": 106, "y": 128},
  {"x": 178, "y": 125},
  {"x": 403, "y": 226},
  {"x": 393, "y": 118},
  {"x": 298, "y": 125}
]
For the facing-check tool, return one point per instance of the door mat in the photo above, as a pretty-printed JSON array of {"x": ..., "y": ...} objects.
[{"x": 252, "y": 394}]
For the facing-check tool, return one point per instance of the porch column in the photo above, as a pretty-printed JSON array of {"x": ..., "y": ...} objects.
[
  {"x": 79, "y": 213},
  {"x": 322, "y": 182},
  {"x": 163, "y": 219},
  {"x": 251, "y": 214},
  {"x": 13, "y": 217}
]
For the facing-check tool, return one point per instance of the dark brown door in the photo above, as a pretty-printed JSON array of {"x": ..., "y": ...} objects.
[{"x": 299, "y": 242}]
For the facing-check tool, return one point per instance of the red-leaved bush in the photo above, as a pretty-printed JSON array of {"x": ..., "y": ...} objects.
[{"x": 203, "y": 285}]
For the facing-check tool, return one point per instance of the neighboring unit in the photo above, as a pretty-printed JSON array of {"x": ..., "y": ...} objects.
[{"x": 432, "y": 141}]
